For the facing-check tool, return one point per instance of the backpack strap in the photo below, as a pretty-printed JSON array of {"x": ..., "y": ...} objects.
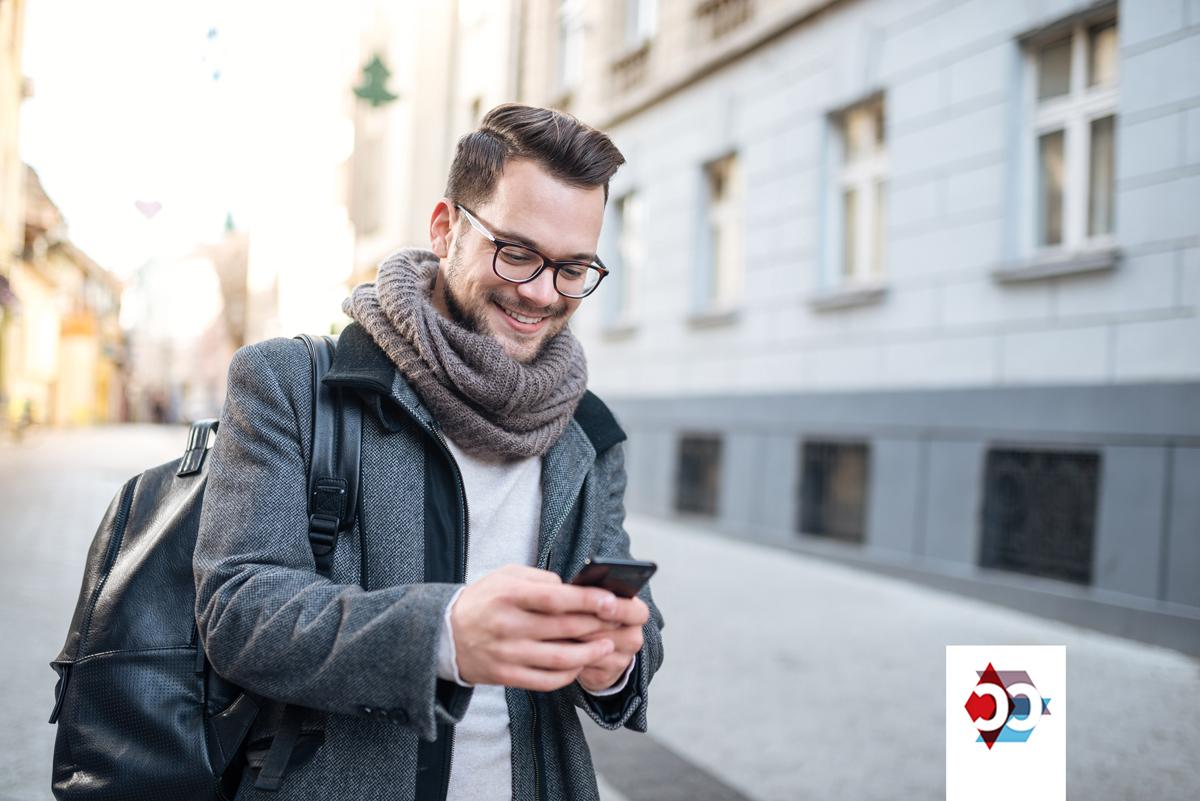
[
  {"x": 333, "y": 475},
  {"x": 336, "y": 454}
]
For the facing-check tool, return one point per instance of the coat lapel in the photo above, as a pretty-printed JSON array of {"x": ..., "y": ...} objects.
[
  {"x": 564, "y": 468},
  {"x": 361, "y": 364}
]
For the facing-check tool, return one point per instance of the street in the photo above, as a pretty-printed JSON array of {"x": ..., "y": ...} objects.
[{"x": 785, "y": 677}]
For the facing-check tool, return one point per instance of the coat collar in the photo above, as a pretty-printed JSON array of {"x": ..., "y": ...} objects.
[{"x": 362, "y": 365}]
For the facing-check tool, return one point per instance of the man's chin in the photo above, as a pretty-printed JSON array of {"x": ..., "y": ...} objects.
[{"x": 524, "y": 351}]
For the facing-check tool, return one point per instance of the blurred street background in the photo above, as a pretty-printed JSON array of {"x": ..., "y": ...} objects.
[{"x": 903, "y": 324}]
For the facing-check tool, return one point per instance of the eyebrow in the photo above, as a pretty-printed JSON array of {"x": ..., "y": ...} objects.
[{"x": 524, "y": 240}]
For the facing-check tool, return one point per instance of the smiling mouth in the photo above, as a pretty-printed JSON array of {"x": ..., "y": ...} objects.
[{"x": 521, "y": 318}]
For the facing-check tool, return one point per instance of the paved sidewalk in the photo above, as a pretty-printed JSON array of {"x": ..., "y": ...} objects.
[
  {"x": 790, "y": 677},
  {"x": 786, "y": 677}
]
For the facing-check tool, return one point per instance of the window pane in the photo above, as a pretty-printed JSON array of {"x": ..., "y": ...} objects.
[
  {"x": 863, "y": 131},
  {"x": 1050, "y": 188},
  {"x": 833, "y": 490},
  {"x": 698, "y": 474},
  {"x": 1100, "y": 182},
  {"x": 880, "y": 207},
  {"x": 1102, "y": 55},
  {"x": 725, "y": 230},
  {"x": 569, "y": 44},
  {"x": 1054, "y": 69},
  {"x": 640, "y": 21},
  {"x": 849, "y": 233},
  {"x": 629, "y": 250},
  {"x": 1039, "y": 513}
]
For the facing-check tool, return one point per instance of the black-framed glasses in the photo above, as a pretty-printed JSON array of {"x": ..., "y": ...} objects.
[{"x": 520, "y": 264}]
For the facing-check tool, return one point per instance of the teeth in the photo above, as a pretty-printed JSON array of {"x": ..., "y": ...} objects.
[{"x": 521, "y": 318}]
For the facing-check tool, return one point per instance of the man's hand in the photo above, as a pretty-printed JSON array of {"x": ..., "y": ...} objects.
[
  {"x": 631, "y": 614},
  {"x": 522, "y": 627}
]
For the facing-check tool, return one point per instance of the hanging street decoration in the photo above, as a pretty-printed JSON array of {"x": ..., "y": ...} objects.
[{"x": 373, "y": 88}]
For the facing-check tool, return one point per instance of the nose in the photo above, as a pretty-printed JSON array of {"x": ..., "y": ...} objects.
[{"x": 540, "y": 291}]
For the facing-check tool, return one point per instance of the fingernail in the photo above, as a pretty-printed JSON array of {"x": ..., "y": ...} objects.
[{"x": 608, "y": 606}]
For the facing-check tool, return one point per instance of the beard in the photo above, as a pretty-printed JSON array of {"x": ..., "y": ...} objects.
[{"x": 472, "y": 313}]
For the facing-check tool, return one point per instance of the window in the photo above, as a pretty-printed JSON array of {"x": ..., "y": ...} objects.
[
  {"x": 1039, "y": 513},
  {"x": 568, "y": 66},
  {"x": 723, "y": 256},
  {"x": 641, "y": 22},
  {"x": 698, "y": 479},
  {"x": 833, "y": 490},
  {"x": 1074, "y": 88},
  {"x": 862, "y": 192},
  {"x": 629, "y": 256},
  {"x": 722, "y": 16}
]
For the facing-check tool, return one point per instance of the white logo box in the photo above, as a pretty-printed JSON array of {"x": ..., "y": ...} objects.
[{"x": 1028, "y": 760}]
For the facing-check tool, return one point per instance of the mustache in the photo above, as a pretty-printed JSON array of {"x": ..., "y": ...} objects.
[{"x": 529, "y": 311}]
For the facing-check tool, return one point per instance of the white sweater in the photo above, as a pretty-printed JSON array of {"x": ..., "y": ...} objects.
[{"x": 504, "y": 502}]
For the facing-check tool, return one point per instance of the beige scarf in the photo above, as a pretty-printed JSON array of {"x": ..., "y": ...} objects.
[{"x": 491, "y": 405}]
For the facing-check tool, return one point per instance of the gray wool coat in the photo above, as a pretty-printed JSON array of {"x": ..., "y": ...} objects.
[{"x": 363, "y": 661}]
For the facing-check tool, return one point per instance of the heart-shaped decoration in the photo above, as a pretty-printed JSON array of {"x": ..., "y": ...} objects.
[{"x": 148, "y": 208}]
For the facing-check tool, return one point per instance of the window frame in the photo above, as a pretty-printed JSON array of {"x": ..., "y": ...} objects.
[
  {"x": 709, "y": 507},
  {"x": 712, "y": 274},
  {"x": 868, "y": 177},
  {"x": 816, "y": 520},
  {"x": 621, "y": 302},
  {"x": 639, "y": 29},
  {"x": 569, "y": 29},
  {"x": 1074, "y": 114}
]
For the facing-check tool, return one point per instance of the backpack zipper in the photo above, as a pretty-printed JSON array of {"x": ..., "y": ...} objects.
[{"x": 110, "y": 555}]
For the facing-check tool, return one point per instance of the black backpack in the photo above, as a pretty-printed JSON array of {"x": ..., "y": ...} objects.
[{"x": 141, "y": 714}]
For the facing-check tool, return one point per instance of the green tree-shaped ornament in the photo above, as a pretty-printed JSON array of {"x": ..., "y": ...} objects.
[{"x": 373, "y": 88}]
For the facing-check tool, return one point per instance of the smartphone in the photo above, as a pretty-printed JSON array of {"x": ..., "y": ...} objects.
[{"x": 621, "y": 577}]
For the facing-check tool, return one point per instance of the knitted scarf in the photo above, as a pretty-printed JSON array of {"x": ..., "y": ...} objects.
[{"x": 491, "y": 405}]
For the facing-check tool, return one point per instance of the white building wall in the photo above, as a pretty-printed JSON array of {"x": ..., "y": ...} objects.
[{"x": 951, "y": 74}]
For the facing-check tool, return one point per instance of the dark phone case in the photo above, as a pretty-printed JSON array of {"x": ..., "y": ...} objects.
[{"x": 620, "y": 577}]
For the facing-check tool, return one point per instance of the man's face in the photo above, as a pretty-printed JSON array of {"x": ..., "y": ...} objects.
[{"x": 529, "y": 206}]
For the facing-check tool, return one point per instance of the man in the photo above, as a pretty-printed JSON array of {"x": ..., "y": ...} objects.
[{"x": 445, "y": 657}]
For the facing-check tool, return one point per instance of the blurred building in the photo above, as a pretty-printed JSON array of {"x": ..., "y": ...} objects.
[
  {"x": 912, "y": 285},
  {"x": 63, "y": 346},
  {"x": 413, "y": 97},
  {"x": 60, "y": 345},
  {"x": 186, "y": 317},
  {"x": 13, "y": 88}
]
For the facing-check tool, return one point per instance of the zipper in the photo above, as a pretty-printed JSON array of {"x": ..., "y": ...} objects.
[
  {"x": 436, "y": 431},
  {"x": 110, "y": 556},
  {"x": 462, "y": 495},
  {"x": 537, "y": 776}
]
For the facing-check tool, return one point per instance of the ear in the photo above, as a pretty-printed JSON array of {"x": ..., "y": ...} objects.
[{"x": 441, "y": 229}]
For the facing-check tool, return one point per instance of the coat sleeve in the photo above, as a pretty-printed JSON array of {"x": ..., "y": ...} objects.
[
  {"x": 269, "y": 622},
  {"x": 628, "y": 707}
]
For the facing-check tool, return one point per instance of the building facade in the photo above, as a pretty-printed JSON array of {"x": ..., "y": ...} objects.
[
  {"x": 13, "y": 89},
  {"x": 911, "y": 285},
  {"x": 64, "y": 351}
]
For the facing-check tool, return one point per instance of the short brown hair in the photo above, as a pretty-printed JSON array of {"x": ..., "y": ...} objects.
[{"x": 571, "y": 151}]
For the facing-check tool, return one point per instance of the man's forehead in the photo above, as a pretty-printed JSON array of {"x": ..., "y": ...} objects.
[{"x": 534, "y": 208}]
